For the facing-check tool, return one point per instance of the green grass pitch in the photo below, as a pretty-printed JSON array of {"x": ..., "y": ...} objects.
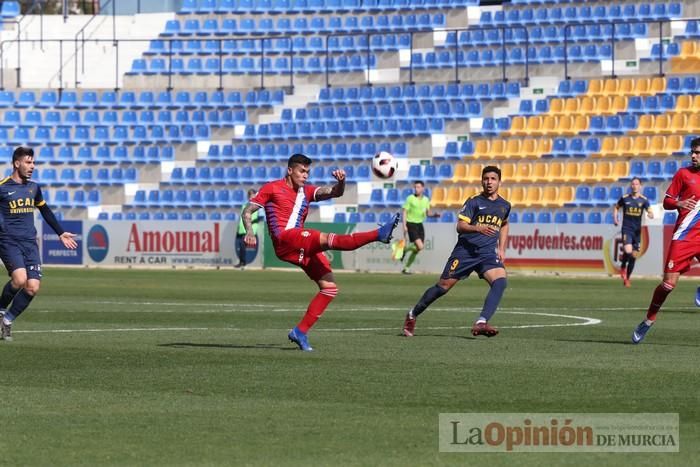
[{"x": 129, "y": 367}]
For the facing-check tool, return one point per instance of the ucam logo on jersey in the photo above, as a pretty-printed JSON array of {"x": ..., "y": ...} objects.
[{"x": 52, "y": 249}]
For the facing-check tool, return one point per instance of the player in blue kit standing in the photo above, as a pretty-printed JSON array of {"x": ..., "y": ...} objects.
[
  {"x": 19, "y": 251},
  {"x": 633, "y": 206},
  {"x": 481, "y": 245}
]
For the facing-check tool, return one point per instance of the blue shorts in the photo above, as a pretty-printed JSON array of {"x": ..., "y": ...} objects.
[
  {"x": 21, "y": 254},
  {"x": 463, "y": 262},
  {"x": 631, "y": 237}
]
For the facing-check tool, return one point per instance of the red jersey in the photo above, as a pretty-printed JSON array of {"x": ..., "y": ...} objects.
[
  {"x": 284, "y": 207},
  {"x": 685, "y": 184}
]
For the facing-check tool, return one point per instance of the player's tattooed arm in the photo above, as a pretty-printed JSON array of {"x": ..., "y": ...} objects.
[
  {"x": 247, "y": 216},
  {"x": 332, "y": 191}
]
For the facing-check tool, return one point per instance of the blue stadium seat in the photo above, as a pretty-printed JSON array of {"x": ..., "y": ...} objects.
[
  {"x": 544, "y": 217},
  {"x": 578, "y": 217},
  {"x": 561, "y": 217},
  {"x": 339, "y": 218},
  {"x": 595, "y": 217},
  {"x": 670, "y": 217},
  {"x": 528, "y": 217}
]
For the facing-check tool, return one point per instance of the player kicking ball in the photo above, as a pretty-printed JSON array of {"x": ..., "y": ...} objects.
[
  {"x": 483, "y": 234},
  {"x": 286, "y": 204}
]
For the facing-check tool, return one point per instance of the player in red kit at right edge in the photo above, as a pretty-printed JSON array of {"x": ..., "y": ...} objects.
[
  {"x": 683, "y": 195},
  {"x": 286, "y": 204}
]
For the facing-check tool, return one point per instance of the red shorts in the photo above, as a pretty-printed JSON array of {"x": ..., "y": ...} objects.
[
  {"x": 302, "y": 247},
  {"x": 680, "y": 254}
]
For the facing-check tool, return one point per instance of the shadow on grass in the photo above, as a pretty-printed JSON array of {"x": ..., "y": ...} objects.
[
  {"x": 625, "y": 342},
  {"x": 182, "y": 345}
]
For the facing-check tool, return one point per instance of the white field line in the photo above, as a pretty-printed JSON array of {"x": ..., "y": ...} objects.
[{"x": 584, "y": 321}]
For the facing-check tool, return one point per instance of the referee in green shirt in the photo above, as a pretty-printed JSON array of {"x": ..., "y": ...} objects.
[{"x": 415, "y": 209}]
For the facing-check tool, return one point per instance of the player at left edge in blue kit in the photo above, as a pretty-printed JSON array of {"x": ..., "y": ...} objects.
[{"x": 19, "y": 250}]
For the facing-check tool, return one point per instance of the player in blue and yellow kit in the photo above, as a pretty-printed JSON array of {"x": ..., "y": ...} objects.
[
  {"x": 19, "y": 251},
  {"x": 633, "y": 206},
  {"x": 483, "y": 234}
]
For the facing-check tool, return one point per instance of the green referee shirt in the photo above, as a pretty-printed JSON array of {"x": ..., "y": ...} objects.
[{"x": 416, "y": 208}]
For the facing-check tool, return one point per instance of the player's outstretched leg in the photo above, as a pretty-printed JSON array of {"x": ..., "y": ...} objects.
[
  {"x": 356, "y": 240},
  {"x": 429, "y": 296},
  {"x": 481, "y": 326},
  {"x": 658, "y": 299},
  {"x": 316, "y": 308}
]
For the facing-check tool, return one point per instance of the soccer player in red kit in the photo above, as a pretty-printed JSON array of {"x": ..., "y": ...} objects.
[
  {"x": 286, "y": 204},
  {"x": 683, "y": 195}
]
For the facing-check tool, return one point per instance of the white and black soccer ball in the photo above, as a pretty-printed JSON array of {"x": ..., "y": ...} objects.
[{"x": 384, "y": 165}]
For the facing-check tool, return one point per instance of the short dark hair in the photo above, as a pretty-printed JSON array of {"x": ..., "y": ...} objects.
[
  {"x": 21, "y": 152},
  {"x": 298, "y": 159},
  {"x": 491, "y": 168},
  {"x": 636, "y": 178},
  {"x": 694, "y": 143},
  {"x": 419, "y": 182}
]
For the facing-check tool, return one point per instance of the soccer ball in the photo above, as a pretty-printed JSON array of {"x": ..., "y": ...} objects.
[{"x": 384, "y": 165}]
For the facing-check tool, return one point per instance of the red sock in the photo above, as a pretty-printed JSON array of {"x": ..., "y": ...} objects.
[
  {"x": 352, "y": 241},
  {"x": 660, "y": 294},
  {"x": 316, "y": 308}
]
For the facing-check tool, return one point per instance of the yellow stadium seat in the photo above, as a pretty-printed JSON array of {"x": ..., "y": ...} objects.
[
  {"x": 454, "y": 197},
  {"x": 674, "y": 144},
  {"x": 533, "y": 196},
  {"x": 550, "y": 196},
  {"x": 684, "y": 103},
  {"x": 587, "y": 105},
  {"x": 572, "y": 105},
  {"x": 605, "y": 171},
  {"x": 544, "y": 146},
  {"x": 620, "y": 169},
  {"x": 679, "y": 123},
  {"x": 625, "y": 146},
  {"x": 694, "y": 123},
  {"x": 556, "y": 106},
  {"x": 517, "y": 196},
  {"x": 566, "y": 195},
  {"x": 528, "y": 148},
  {"x": 603, "y": 105},
  {"x": 474, "y": 173},
  {"x": 534, "y": 125},
  {"x": 588, "y": 172},
  {"x": 689, "y": 49},
  {"x": 595, "y": 87},
  {"x": 657, "y": 146},
  {"x": 539, "y": 171},
  {"x": 482, "y": 148},
  {"x": 517, "y": 126},
  {"x": 611, "y": 86},
  {"x": 508, "y": 170},
  {"x": 641, "y": 87},
  {"x": 572, "y": 171},
  {"x": 523, "y": 171},
  {"x": 657, "y": 85},
  {"x": 581, "y": 123},
  {"x": 607, "y": 147},
  {"x": 646, "y": 125},
  {"x": 641, "y": 146},
  {"x": 556, "y": 172},
  {"x": 498, "y": 147},
  {"x": 619, "y": 104},
  {"x": 460, "y": 174},
  {"x": 549, "y": 125},
  {"x": 662, "y": 124},
  {"x": 512, "y": 149},
  {"x": 438, "y": 196},
  {"x": 567, "y": 125},
  {"x": 626, "y": 87},
  {"x": 696, "y": 104},
  {"x": 504, "y": 191}
]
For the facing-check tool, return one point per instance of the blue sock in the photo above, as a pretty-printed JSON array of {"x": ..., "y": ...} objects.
[
  {"x": 430, "y": 295},
  {"x": 493, "y": 298},
  {"x": 8, "y": 293},
  {"x": 19, "y": 304}
]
